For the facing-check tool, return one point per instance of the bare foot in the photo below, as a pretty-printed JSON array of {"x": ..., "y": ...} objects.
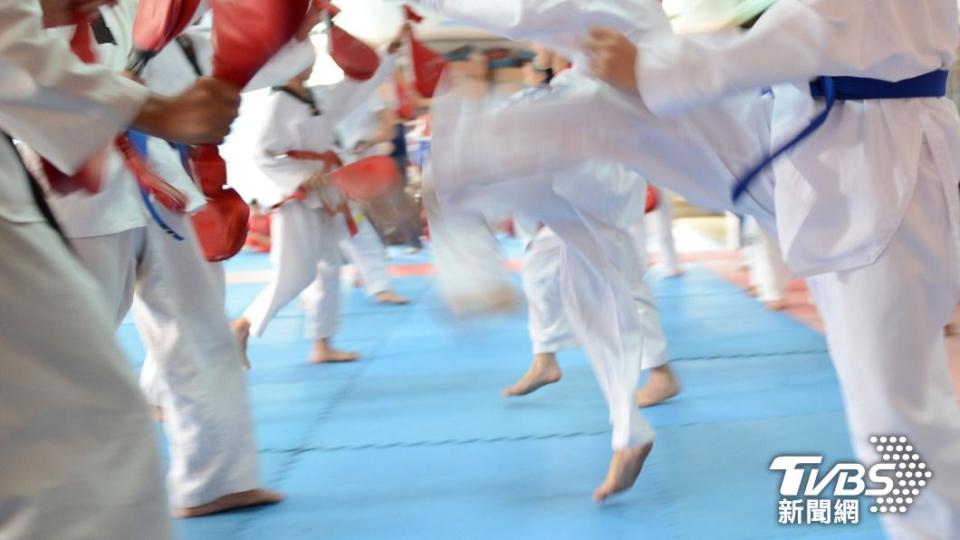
[
  {"x": 233, "y": 501},
  {"x": 545, "y": 370},
  {"x": 324, "y": 353},
  {"x": 241, "y": 329},
  {"x": 157, "y": 413},
  {"x": 625, "y": 467},
  {"x": 777, "y": 305},
  {"x": 661, "y": 386},
  {"x": 391, "y": 298}
]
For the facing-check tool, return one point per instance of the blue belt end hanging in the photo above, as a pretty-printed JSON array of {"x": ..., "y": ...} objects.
[
  {"x": 152, "y": 209},
  {"x": 139, "y": 141}
]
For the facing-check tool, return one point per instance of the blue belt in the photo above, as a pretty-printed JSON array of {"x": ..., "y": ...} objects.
[
  {"x": 833, "y": 89},
  {"x": 139, "y": 141}
]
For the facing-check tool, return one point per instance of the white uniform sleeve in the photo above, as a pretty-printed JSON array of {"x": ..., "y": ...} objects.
[
  {"x": 290, "y": 61},
  {"x": 50, "y": 100},
  {"x": 560, "y": 25},
  {"x": 346, "y": 96},
  {"x": 797, "y": 41},
  {"x": 273, "y": 142}
]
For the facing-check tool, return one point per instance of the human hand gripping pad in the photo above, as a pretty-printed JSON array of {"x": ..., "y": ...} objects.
[{"x": 246, "y": 34}]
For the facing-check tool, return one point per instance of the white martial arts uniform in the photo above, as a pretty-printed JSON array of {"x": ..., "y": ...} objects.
[
  {"x": 304, "y": 233},
  {"x": 661, "y": 219},
  {"x": 867, "y": 207},
  {"x": 590, "y": 209},
  {"x": 366, "y": 252},
  {"x": 170, "y": 72},
  {"x": 542, "y": 268},
  {"x": 78, "y": 458},
  {"x": 549, "y": 330},
  {"x": 767, "y": 271},
  {"x": 194, "y": 365},
  {"x": 200, "y": 382},
  {"x": 365, "y": 249}
]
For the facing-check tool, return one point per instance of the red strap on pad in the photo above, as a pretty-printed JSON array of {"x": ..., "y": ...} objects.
[
  {"x": 170, "y": 197},
  {"x": 653, "y": 199},
  {"x": 428, "y": 64}
]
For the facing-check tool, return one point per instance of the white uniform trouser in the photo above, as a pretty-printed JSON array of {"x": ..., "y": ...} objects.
[
  {"x": 594, "y": 288},
  {"x": 884, "y": 322},
  {"x": 198, "y": 379},
  {"x": 549, "y": 331},
  {"x": 365, "y": 250},
  {"x": 305, "y": 248},
  {"x": 662, "y": 221},
  {"x": 78, "y": 456},
  {"x": 885, "y": 331},
  {"x": 150, "y": 382},
  {"x": 768, "y": 272}
]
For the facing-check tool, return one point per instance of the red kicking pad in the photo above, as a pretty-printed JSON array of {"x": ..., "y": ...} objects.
[
  {"x": 428, "y": 64},
  {"x": 367, "y": 178},
  {"x": 357, "y": 59},
  {"x": 157, "y": 23},
  {"x": 222, "y": 225},
  {"x": 246, "y": 34},
  {"x": 653, "y": 199}
]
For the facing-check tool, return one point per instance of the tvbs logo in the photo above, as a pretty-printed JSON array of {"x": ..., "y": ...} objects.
[{"x": 894, "y": 482}]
